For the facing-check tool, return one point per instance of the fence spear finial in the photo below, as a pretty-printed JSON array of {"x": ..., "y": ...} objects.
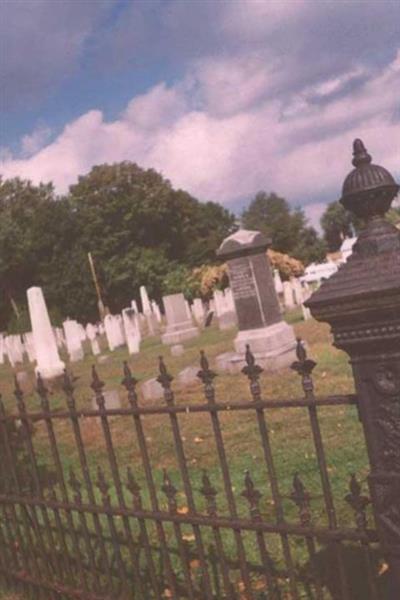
[{"x": 164, "y": 377}]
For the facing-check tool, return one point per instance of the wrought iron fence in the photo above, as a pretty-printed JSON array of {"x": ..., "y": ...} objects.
[{"x": 92, "y": 531}]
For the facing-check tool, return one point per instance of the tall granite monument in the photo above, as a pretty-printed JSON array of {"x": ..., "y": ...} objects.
[{"x": 261, "y": 326}]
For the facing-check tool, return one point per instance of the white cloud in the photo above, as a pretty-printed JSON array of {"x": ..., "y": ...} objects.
[
  {"x": 33, "y": 142},
  {"x": 227, "y": 155}
]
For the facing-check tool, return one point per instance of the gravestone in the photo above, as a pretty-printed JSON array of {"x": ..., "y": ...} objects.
[
  {"x": 48, "y": 362},
  {"x": 278, "y": 282},
  {"x": 177, "y": 350},
  {"x": 179, "y": 326},
  {"x": 198, "y": 311},
  {"x": 92, "y": 333},
  {"x": 225, "y": 309},
  {"x": 114, "y": 333},
  {"x": 188, "y": 376},
  {"x": 288, "y": 298},
  {"x": 132, "y": 330},
  {"x": 29, "y": 346},
  {"x": 15, "y": 349},
  {"x": 73, "y": 339},
  {"x": 144, "y": 298},
  {"x": 152, "y": 390},
  {"x": 261, "y": 326},
  {"x": 156, "y": 311},
  {"x": 297, "y": 291},
  {"x": 112, "y": 400}
]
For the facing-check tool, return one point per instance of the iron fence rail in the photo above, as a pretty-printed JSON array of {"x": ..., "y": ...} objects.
[{"x": 103, "y": 534}]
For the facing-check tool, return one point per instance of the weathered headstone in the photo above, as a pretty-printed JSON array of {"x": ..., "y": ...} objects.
[
  {"x": 112, "y": 400},
  {"x": 179, "y": 326},
  {"x": 188, "y": 376},
  {"x": 15, "y": 349},
  {"x": 114, "y": 333},
  {"x": 298, "y": 291},
  {"x": 152, "y": 390},
  {"x": 146, "y": 306},
  {"x": 288, "y": 298},
  {"x": 73, "y": 339},
  {"x": 225, "y": 309},
  {"x": 198, "y": 311},
  {"x": 261, "y": 327},
  {"x": 177, "y": 350},
  {"x": 278, "y": 282},
  {"x": 48, "y": 362},
  {"x": 29, "y": 346},
  {"x": 156, "y": 311},
  {"x": 92, "y": 335},
  {"x": 132, "y": 330}
]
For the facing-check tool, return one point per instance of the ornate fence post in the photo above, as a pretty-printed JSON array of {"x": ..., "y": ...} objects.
[{"x": 361, "y": 302}]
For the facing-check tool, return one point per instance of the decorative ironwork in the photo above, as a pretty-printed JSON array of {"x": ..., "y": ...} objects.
[
  {"x": 304, "y": 366},
  {"x": 252, "y": 495},
  {"x": 252, "y": 372},
  {"x": 206, "y": 375},
  {"x": 358, "y": 503},
  {"x": 89, "y": 542},
  {"x": 210, "y": 494},
  {"x": 301, "y": 498}
]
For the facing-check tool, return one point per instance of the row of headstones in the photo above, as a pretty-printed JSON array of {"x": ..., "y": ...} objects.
[
  {"x": 126, "y": 329},
  {"x": 292, "y": 293}
]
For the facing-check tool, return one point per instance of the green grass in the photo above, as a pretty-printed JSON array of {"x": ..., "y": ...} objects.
[{"x": 289, "y": 430}]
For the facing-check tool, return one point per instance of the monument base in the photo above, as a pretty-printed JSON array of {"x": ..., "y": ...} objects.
[
  {"x": 175, "y": 334},
  {"x": 274, "y": 348}
]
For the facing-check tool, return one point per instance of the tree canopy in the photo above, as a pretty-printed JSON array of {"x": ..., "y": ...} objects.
[
  {"x": 338, "y": 224},
  {"x": 137, "y": 227},
  {"x": 287, "y": 228}
]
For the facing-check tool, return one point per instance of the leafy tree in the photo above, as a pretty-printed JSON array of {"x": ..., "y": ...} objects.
[
  {"x": 139, "y": 228},
  {"x": 287, "y": 228},
  {"x": 309, "y": 247},
  {"x": 337, "y": 224},
  {"x": 24, "y": 243},
  {"x": 287, "y": 265}
]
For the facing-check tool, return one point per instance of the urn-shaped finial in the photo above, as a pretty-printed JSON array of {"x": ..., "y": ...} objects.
[{"x": 369, "y": 189}]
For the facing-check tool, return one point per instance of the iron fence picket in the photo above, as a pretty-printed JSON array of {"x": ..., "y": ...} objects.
[{"x": 75, "y": 539}]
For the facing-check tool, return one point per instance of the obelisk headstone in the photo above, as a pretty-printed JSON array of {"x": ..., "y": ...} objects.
[
  {"x": 257, "y": 306},
  {"x": 48, "y": 362}
]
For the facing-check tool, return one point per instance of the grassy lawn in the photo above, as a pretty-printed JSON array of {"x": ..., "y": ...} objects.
[{"x": 289, "y": 429}]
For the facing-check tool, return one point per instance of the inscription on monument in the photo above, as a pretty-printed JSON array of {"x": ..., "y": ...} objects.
[{"x": 241, "y": 279}]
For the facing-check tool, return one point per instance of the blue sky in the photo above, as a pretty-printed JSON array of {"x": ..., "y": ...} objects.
[{"x": 224, "y": 98}]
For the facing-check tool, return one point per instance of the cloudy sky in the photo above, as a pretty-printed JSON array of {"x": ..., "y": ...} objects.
[{"x": 223, "y": 97}]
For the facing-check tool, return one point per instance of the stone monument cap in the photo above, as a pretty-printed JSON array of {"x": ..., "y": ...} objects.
[{"x": 243, "y": 243}]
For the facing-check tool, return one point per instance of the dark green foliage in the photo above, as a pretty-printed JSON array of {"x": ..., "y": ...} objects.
[
  {"x": 287, "y": 228},
  {"x": 337, "y": 224},
  {"x": 137, "y": 227}
]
